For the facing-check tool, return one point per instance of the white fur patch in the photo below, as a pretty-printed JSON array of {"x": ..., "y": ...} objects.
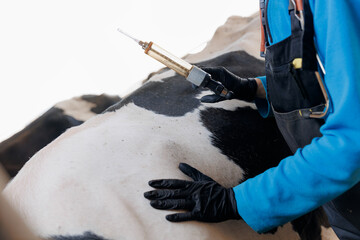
[
  {"x": 161, "y": 76},
  {"x": 230, "y": 105},
  {"x": 77, "y": 108}
]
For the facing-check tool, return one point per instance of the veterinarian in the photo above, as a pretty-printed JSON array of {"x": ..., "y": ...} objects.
[{"x": 312, "y": 88}]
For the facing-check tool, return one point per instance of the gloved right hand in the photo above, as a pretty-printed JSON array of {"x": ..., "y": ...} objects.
[{"x": 243, "y": 88}]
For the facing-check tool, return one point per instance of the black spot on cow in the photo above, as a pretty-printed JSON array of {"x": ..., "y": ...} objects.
[
  {"x": 85, "y": 236},
  {"x": 252, "y": 142},
  {"x": 239, "y": 63},
  {"x": 175, "y": 96},
  {"x": 18, "y": 149}
]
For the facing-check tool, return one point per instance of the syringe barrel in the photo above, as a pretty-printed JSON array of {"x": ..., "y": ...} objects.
[{"x": 177, "y": 64}]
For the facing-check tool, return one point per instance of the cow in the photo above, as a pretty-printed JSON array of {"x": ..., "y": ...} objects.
[
  {"x": 89, "y": 182},
  {"x": 19, "y": 148}
]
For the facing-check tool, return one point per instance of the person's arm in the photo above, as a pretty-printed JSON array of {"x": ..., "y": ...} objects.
[{"x": 330, "y": 165}]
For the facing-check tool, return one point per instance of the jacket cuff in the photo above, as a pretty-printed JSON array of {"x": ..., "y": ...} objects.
[
  {"x": 247, "y": 211},
  {"x": 263, "y": 105}
]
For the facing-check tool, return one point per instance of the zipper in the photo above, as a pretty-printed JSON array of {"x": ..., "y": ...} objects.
[{"x": 266, "y": 22}]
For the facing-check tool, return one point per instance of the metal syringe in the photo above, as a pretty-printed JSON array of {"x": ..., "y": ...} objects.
[{"x": 191, "y": 72}]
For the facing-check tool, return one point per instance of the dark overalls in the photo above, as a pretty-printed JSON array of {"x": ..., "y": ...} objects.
[{"x": 297, "y": 99}]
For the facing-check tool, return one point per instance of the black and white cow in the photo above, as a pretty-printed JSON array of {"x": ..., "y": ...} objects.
[
  {"x": 18, "y": 149},
  {"x": 89, "y": 182}
]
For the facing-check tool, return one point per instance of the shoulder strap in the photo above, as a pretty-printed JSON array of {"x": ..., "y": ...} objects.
[
  {"x": 303, "y": 13},
  {"x": 263, "y": 28}
]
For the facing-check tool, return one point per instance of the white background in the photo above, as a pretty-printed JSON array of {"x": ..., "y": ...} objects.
[{"x": 52, "y": 50}]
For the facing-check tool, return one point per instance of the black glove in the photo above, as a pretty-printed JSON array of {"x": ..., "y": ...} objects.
[
  {"x": 204, "y": 199},
  {"x": 243, "y": 88}
]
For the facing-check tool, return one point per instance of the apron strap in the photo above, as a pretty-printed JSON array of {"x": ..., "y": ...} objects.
[
  {"x": 297, "y": 22},
  {"x": 262, "y": 42},
  {"x": 295, "y": 6},
  {"x": 301, "y": 23},
  {"x": 264, "y": 37}
]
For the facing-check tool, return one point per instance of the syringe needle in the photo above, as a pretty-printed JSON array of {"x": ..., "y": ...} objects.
[{"x": 136, "y": 40}]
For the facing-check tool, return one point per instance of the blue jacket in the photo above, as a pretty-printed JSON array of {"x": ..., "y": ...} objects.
[{"x": 330, "y": 165}]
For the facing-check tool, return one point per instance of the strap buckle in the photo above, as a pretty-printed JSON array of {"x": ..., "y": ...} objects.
[
  {"x": 298, "y": 7},
  {"x": 323, "y": 90}
]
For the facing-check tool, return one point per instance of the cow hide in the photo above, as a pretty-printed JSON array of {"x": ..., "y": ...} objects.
[{"x": 92, "y": 178}]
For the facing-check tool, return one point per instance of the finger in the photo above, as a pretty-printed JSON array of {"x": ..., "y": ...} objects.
[
  {"x": 176, "y": 204},
  {"x": 180, "y": 217},
  {"x": 215, "y": 72},
  {"x": 212, "y": 98},
  {"x": 195, "y": 174},
  {"x": 165, "y": 194},
  {"x": 211, "y": 70},
  {"x": 168, "y": 183}
]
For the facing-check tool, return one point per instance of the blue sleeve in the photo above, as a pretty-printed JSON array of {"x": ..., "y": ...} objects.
[
  {"x": 330, "y": 165},
  {"x": 263, "y": 105}
]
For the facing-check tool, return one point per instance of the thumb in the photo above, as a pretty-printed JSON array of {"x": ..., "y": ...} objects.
[
  {"x": 180, "y": 217},
  {"x": 195, "y": 174},
  {"x": 212, "y": 98}
]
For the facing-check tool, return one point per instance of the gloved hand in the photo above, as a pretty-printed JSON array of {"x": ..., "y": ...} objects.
[
  {"x": 204, "y": 199},
  {"x": 243, "y": 88}
]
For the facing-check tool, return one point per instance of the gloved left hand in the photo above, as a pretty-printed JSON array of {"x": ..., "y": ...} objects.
[{"x": 204, "y": 199}]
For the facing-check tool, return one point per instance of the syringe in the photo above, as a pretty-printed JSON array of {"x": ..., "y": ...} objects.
[{"x": 191, "y": 72}]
